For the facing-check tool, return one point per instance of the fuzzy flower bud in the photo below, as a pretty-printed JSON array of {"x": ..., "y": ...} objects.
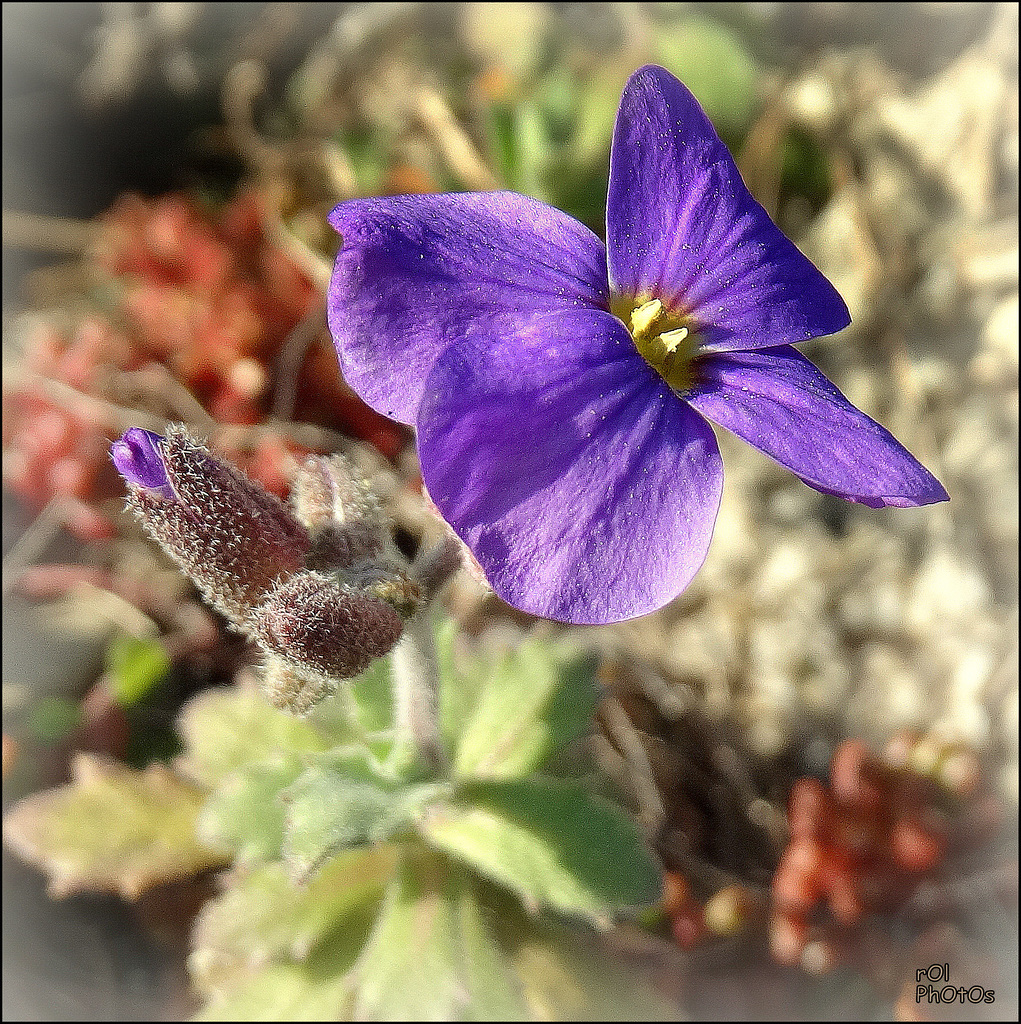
[
  {"x": 232, "y": 537},
  {"x": 346, "y": 522},
  {"x": 319, "y": 585},
  {"x": 291, "y": 689},
  {"x": 317, "y": 622}
]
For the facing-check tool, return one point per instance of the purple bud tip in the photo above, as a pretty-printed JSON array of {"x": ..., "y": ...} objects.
[{"x": 138, "y": 457}]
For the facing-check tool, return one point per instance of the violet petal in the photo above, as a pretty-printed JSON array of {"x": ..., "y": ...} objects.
[
  {"x": 414, "y": 271},
  {"x": 138, "y": 456},
  {"x": 682, "y": 227},
  {"x": 778, "y": 401},
  {"x": 585, "y": 488}
]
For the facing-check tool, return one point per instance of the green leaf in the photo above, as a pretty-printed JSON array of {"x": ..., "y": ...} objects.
[
  {"x": 495, "y": 991},
  {"x": 459, "y": 684},
  {"x": 532, "y": 145},
  {"x": 431, "y": 956},
  {"x": 371, "y": 695},
  {"x": 341, "y": 803},
  {"x": 135, "y": 666},
  {"x": 263, "y": 917},
  {"x": 551, "y": 842},
  {"x": 54, "y": 718},
  {"x": 361, "y": 708},
  {"x": 502, "y": 145},
  {"x": 246, "y": 812},
  {"x": 112, "y": 829},
  {"x": 598, "y": 99},
  {"x": 283, "y": 992},
  {"x": 805, "y": 169},
  {"x": 537, "y": 701},
  {"x": 225, "y": 730}
]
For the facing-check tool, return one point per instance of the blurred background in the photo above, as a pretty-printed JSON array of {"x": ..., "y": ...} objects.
[{"x": 167, "y": 169}]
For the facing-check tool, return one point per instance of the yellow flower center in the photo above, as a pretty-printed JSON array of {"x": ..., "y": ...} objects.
[{"x": 666, "y": 341}]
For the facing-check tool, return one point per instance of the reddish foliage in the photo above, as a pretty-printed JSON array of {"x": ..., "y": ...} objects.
[
  {"x": 861, "y": 845},
  {"x": 208, "y": 301},
  {"x": 869, "y": 842}
]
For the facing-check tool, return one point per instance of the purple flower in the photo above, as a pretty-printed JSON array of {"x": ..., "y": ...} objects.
[{"x": 561, "y": 389}]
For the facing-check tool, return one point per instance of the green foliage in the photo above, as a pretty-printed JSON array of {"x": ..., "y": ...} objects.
[
  {"x": 541, "y": 143},
  {"x": 362, "y": 891},
  {"x": 805, "y": 169},
  {"x": 262, "y": 920},
  {"x": 228, "y": 730},
  {"x": 399, "y": 933},
  {"x": 566, "y": 974},
  {"x": 521, "y": 712},
  {"x": 245, "y": 813},
  {"x": 547, "y": 133},
  {"x": 457, "y": 971},
  {"x": 716, "y": 66},
  {"x": 551, "y": 842},
  {"x": 54, "y": 718},
  {"x": 347, "y": 802},
  {"x": 112, "y": 829},
  {"x": 134, "y": 667}
]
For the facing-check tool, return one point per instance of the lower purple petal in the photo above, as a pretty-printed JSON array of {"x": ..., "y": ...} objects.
[
  {"x": 585, "y": 488},
  {"x": 776, "y": 400},
  {"x": 414, "y": 271}
]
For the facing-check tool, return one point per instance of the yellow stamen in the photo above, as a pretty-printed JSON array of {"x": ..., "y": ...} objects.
[
  {"x": 663, "y": 338},
  {"x": 671, "y": 339},
  {"x": 645, "y": 316}
]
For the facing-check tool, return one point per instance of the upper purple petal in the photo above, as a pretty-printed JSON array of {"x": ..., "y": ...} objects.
[
  {"x": 585, "y": 488},
  {"x": 778, "y": 401},
  {"x": 682, "y": 227},
  {"x": 138, "y": 456},
  {"x": 414, "y": 272}
]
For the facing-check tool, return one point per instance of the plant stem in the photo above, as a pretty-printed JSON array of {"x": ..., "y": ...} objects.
[
  {"x": 416, "y": 693},
  {"x": 413, "y": 664}
]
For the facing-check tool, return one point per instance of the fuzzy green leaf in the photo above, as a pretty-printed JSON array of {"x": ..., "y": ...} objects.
[
  {"x": 431, "y": 956},
  {"x": 567, "y": 975},
  {"x": 225, "y": 730},
  {"x": 112, "y": 829},
  {"x": 341, "y": 803},
  {"x": 362, "y": 708},
  {"x": 282, "y": 992},
  {"x": 263, "y": 917},
  {"x": 246, "y": 813},
  {"x": 551, "y": 842},
  {"x": 372, "y": 696},
  {"x": 459, "y": 684},
  {"x": 537, "y": 701}
]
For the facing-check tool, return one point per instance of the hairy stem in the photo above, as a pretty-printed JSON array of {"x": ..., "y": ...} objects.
[
  {"x": 413, "y": 665},
  {"x": 416, "y": 693}
]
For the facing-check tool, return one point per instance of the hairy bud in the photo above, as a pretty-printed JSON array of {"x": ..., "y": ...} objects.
[
  {"x": 293, "y": 688},
  {"x": 319, "y": 585},
  {"x": 314, "y": 620},
  {"x": 344, "y": 518},
  {"x": 232, "y": 537}
]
